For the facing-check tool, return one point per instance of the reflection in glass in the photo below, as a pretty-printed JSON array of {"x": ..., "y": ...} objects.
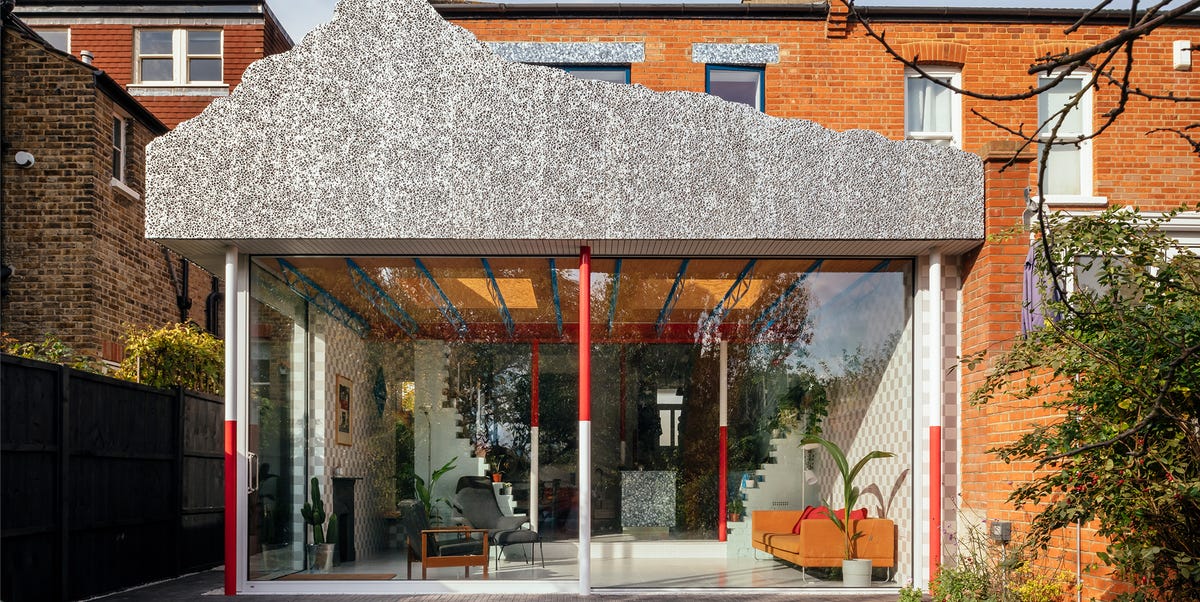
[{"x": 453, "y": 361}]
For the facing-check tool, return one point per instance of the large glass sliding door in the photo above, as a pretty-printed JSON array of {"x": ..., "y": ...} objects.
[
  {"x": 396, "y": 384},
  {"x": 275, "y": 430}
]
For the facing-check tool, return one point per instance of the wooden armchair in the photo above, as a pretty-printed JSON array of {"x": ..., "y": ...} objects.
[{"x": 441, "y": 547}]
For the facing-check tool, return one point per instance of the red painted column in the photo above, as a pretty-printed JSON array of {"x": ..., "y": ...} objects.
[
  {"x": 585, "y": 421},
  {"x": 535, "y": 386},
  {"x": 722, "y": 478},
  {"x": 232, "y": 336},
  {"x": 231, "y": 501},
  {"x": 935, "y": 500}
]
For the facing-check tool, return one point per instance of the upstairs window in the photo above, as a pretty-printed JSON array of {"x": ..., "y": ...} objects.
[
  {"x": 119, "y": 149},
  {"x": 1069, "y": 168},
  {"x": 933, "y": 113},
  {"x": 178, "y": 56},
  {"x": 60, "y": 39},
  {"x": 616, "y": 75},
  {"x": 736, "y": 84}
]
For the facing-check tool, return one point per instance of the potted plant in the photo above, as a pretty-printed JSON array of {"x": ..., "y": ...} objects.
[
  {"x": 425, "y": 491},
  {"x": 856, "y": 572},
  {"x": 737, "y": 508},
  {"x": 323, "y": 539}
]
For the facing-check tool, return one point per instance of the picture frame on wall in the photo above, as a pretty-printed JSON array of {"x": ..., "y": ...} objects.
[{"x": 343, "y": 418}]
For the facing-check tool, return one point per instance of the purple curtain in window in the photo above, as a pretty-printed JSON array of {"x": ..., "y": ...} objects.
[{"x": 1032, "y": 317}]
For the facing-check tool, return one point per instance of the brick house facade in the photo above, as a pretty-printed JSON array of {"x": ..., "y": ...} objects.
[
  {"x": 74, "y": 240},
  {"x": 133, "y": 41},
  {"x": 81, "y": 269},
  {"x": 823, "y": 67}
]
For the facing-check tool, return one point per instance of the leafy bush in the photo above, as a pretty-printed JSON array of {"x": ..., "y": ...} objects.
[
  {"x": 178, "y": 354},
  {"x": 50, "y": 349},
  {"x": 908, "y": 593},
  {"x": 1122, "y": 447}
]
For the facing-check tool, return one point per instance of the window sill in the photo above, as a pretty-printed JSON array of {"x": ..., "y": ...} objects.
[
  {"x": 1063, "y": 200},
  {"x": 127, "y": 191},
  {"x": 178, "y": 90}
]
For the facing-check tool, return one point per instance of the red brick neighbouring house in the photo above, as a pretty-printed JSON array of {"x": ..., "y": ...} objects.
[
  {"x": 811, "y": 62},
  {"x": 77, "y": 261}
]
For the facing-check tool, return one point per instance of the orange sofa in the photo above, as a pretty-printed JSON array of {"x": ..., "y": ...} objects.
[{"x": 819, "y": 543}]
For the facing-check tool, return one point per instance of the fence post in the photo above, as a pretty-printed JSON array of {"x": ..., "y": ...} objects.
[
  {"x": 64, "y": 479},
  {"x": 180, "y": 418}
]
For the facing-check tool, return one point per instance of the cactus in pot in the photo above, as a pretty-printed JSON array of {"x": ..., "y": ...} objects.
[
  {"x": 314, "y": 512},
  {"x": 324, "y": 539}
]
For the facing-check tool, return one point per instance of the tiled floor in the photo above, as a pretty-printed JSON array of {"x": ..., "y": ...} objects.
[{"x": 685, "y": 568}]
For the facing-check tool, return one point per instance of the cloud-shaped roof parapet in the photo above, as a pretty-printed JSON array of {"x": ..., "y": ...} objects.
[{"x": 390, "y": 123}]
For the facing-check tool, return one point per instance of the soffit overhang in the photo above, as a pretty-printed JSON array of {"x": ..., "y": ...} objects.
[{"x": 389, "y": 130}]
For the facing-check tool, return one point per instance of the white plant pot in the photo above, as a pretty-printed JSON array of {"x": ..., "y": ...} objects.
[{"x": 856, "y": 573}]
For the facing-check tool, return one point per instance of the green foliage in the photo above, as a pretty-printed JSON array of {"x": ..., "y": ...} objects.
[
  {"x": 908, "y": 593},
  {"x": 331, "y": 531},
  {"x": 1031, "y": 585},
  {"x": 50, "y": 349},
  {"x": 425, "y": 491},
  {"x": 314, "y": 512},
  {"x": 984, "y": 571},
  {"x": 806, "y": 400},
  {"x": 1123, "y": 446},
  {"x": 850, "y": 493},
  {"x": 178, "y": 354}
]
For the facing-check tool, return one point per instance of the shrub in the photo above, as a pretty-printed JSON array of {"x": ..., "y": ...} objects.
[
  {"x": 50, "y": 349},
  {"x": 908, "y": 593},
  {"x": 178, "y": 354}
]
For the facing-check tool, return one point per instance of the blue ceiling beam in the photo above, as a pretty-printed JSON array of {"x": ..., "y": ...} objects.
[
  {"x": 439, "y": 298},
  {"x": 768, "y": 314},
  {"x": 672, "y": 298},
  {"x": 380, "y": 300},
  {"x": 554, "y": 292},
  {"x": 612, "y": 302},
  {"x": 498, "y": 297},
  {"x": 321, "y": 299},
  {"x": 736, "y": 291}
]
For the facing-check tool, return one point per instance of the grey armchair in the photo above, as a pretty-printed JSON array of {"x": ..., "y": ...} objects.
[{"x": 477, "y": 503}]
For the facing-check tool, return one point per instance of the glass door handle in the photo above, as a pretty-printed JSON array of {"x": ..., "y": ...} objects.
[{"x": 252, "y": 471}]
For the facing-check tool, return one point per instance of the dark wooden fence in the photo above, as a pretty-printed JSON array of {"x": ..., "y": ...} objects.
[{"x": 106, "y": 484}]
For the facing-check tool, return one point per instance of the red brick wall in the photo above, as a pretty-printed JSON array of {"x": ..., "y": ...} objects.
[
  {"x": 112, "y": 47},
  {"x": 845, "y": 83},
  {"x": 848, "y": 81},
  {"x": 83, "y": 269}
]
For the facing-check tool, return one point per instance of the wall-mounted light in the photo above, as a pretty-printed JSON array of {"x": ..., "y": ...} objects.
[
  {"x": 24, "y": 159},
  {"x": 1182, "y": 55}
]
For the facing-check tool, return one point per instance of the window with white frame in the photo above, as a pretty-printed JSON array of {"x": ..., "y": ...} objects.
[
  {"x": 1069, "y": 168},
  {"x": 932, "y": 112},
  {"x": 60, "y": 39},
  {"x": 119, "y": 148},
  {"x": 178, "y": 56},
  {"x": 736, "y": 84}
]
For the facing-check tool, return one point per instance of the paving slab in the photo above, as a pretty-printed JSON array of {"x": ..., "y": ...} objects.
[{"x": 207, "y": 586}]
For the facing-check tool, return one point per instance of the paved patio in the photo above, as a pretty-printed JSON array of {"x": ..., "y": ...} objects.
[{"x": 206, "y": 586}]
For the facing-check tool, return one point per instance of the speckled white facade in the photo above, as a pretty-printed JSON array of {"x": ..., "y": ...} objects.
[
  {"x": 571, "y": 53},
  {"x": 735, "y": 54},
  {"x": 390, "y": 123}
]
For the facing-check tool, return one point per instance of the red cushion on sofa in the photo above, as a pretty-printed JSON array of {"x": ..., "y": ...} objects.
[{"x": 814, "y": 512}]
